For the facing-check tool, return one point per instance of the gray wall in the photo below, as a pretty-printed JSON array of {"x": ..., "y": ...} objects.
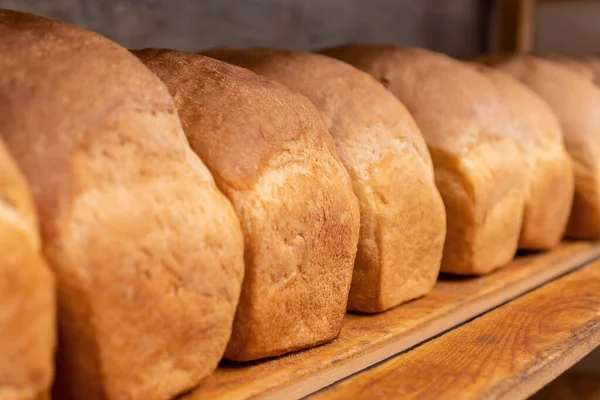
[
  {"x": 455, "y": 27},
  {"x": 568, "y": 28}
]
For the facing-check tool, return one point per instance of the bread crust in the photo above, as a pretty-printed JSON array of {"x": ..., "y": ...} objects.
[
  {"x": 579, "y": 67},
  {"x": 403, "y": 222},
  {"x": 575, "y": 100},
  {"x": 132, "y": 223},
  {"x": 27, "y": 297},
  {"x": 593, "y": 63},
  {"x": 478, "y": 166},
  {"x": 550, "y": 182},
  {"x": 273, "y": 158}
]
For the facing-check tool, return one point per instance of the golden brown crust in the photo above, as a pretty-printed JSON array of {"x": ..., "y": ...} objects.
[
  {"x": 478, "y": 165},
  {"x": 237, "y": 156},
  {"x": 576, "y": 102},
  {"x": 27, "y": 299},
  {"x": 403, "y": 222},
  {"x": 131, "y": 221},
  {"x": 549, "y": 193},
  {"x": 271, "y": 155},
  {"x": 593, "y": 63},
  {"x": 580, "y": 68}
]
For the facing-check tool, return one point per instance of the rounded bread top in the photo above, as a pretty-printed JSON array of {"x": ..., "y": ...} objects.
[
  {"x": 69, "y": 97},
  {"x": 574, "y": 99},
  {"x": 455, "y": 107},
  {"x": 57, "y": 81},
  {"x": 239, "y": 121},
  {"x": 575, "y": 65},
  {"x": 593, "y": 63},
  {"x": 533, "y": 120},
  {"x": 355, "y": 107}
]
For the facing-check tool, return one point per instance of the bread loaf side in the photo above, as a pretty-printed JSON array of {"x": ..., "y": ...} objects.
[
  {"x": 550, "y": 182},
  {"x": 575, "y": 100},
  {"x": 271, "y": 155},
  {"x": 27, "y": 297},
  {"x": 582, "y": 69},
  {"x": 593, "y": 63},
  {"x": 147, "y": 253}
]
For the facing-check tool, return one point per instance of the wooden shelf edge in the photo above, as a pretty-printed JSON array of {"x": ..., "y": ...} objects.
[
  {"x": 549, "y": 372},
  {"x": 438, "y": 327},
  {"x": 509, "y": 353},
  {"x": 451, "y": 303}
]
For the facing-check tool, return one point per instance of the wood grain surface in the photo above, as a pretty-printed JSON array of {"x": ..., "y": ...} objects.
[
  {"x": 368, "y": 339},
  {"x": 508, "y": 353}
]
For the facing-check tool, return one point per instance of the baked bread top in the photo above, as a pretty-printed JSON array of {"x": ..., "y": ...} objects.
[
  {"x": 593, "y": 63},
  {"x": 578, "y": 66},
  {"x": 87, "y": 82},
  {"x": 528, "y": 114},
  {"x": 248, "y": 121},
  {"x": 455, "y": 107},
  {"x": 334, "y": 87},
  {"x": 574, "y": 99}
]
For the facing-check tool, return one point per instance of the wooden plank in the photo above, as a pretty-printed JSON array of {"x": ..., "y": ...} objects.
[
  {"x": 509, "y": 353},
  {"x": 514, "y": 25},
  {"x": 525, "y": 26},
  {"x": 368, "y": 339},
  {"x": 504, "y": 34}
]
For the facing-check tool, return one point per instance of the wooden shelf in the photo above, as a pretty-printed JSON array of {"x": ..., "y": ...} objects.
[
  {"x": 368, "y": 339},
  {"x": 509, "y": 353}
]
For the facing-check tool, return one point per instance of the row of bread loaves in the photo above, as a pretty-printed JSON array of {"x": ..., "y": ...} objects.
[
  {"x": 147, "y": 253},
  {"x": 496, "y": 147},
  {"x": 305, "y": 187},
  {"x": 575, "y": 100}
]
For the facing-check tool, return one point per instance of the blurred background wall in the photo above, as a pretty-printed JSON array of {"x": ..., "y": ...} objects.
[
  {"x": 571, "y": 28},
  {"x": 461, "y": 28},
  {"x": 455, "y": 27}
]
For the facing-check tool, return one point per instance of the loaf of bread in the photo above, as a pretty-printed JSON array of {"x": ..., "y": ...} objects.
[
  {"x": 578, "y": 66},
  {"x": 403, "y": 221},
  {"x": 478, "y": 164},
  {"x": 575, "y": 100},
  {"x": 593, "y": 63},
  {"x": 271, "y": 155},
  {"x": 147, "y": 253},
  {"x": 575, "y": 65},
  {"x": 549, "y": 192},
  {"x": 27, "y": 300}
]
